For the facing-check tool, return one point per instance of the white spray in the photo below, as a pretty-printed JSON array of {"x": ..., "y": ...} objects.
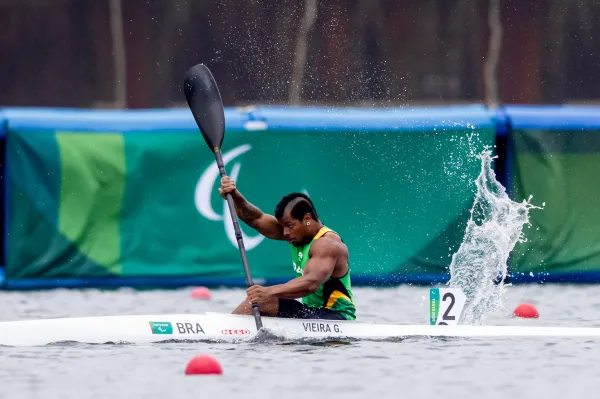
[{"x": 493, "y": 229}]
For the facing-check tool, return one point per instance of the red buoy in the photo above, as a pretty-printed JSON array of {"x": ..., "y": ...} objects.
[
  {"x": 203, "y": 364},
  {"x": 201, "y": 293},
  {"x": 526, "y": 310}
]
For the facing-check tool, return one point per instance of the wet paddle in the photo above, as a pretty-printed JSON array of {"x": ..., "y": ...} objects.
[{"x": 205, "y": 102}]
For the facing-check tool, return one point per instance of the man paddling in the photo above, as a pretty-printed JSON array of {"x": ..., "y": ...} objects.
[{"x": 319, "y": 257}]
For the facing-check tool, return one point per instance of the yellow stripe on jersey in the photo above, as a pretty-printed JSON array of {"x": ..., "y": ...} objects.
[{"x": 335, "y": 295}]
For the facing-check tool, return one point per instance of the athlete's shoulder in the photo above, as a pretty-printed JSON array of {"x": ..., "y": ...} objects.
[{"x": 329, "y": 244}]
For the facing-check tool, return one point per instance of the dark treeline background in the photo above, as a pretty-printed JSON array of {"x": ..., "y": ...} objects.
[{"x": 360, "y": 52}]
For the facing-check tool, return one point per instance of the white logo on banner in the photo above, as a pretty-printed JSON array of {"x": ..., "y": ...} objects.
[{"x": 205, "y": 187}]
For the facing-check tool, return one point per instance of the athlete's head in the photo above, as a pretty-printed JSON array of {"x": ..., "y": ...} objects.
[{"x": 296, "y": 213}]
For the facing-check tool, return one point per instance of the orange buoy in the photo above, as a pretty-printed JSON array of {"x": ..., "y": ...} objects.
[
  {"x": 526, "y": 310},
  {"x": 201, "y": 293},
  {"x": 203, "y": 364}
]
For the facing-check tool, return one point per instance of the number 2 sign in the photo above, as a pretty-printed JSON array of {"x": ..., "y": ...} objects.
[{"x": 445, "y": 305}]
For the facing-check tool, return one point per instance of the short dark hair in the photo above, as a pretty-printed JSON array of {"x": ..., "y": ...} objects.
[{"x": 301, "y": 208}]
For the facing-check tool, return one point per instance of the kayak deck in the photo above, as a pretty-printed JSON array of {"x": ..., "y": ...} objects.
[{"x": 226, "y": 327}]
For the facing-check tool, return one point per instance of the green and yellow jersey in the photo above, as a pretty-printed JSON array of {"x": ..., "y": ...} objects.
[{"x": 334, "y": 294}]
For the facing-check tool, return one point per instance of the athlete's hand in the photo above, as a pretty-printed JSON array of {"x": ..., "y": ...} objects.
[
  {"x": 259, "y": 294},
  {"x": 227, "y": 187}
]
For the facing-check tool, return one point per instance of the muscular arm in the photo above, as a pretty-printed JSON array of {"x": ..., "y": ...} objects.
[
  {"x": 265, "y": 224},
  {"x": 323, "y": 257}
]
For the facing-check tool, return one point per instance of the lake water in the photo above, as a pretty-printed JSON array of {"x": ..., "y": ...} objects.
[{"x": 412, "y": 368}]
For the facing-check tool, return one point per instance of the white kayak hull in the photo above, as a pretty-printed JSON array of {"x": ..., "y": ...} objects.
[{"x": 225, "y": 327}]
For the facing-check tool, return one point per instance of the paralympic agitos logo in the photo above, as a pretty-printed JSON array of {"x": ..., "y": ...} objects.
[{"x": 205, "y": 188}]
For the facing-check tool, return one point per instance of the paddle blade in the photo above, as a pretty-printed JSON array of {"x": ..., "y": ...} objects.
[{"x": 204, "y": 100}]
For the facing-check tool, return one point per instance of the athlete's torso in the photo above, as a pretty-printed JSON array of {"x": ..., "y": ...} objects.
[{"x": 335, "y": 293}]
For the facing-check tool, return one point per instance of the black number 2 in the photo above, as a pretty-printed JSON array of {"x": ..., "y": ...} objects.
[{"x": 446, "y": 316}]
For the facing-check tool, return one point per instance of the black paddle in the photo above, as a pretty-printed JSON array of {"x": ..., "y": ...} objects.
[{"x": 204, "y": 99}]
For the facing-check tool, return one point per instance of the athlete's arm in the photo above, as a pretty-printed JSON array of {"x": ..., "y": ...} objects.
[
  {"x": 323, "y": 257},
  {"x": 265, "y": 224}
]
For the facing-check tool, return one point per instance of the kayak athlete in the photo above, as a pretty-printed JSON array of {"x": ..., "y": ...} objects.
[{"x": 319, "y": 257}]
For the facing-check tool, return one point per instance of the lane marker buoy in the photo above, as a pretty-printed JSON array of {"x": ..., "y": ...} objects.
[
  {"x": 201, "y": 293},
  {"x": 203, "y": 364},
  {"x": 526, "y": 310}
]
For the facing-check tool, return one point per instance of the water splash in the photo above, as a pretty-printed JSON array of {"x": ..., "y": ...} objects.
[{"x": 494, "y": 228}]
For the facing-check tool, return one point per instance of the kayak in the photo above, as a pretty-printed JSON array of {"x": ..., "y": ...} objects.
[{"x": 141, "y": 329}]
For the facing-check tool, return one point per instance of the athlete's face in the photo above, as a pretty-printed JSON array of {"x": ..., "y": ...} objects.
[{"x": 295, "y": 231}]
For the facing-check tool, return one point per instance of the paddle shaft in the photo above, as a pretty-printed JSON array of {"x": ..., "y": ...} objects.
[{"x": 240, "y": 240}]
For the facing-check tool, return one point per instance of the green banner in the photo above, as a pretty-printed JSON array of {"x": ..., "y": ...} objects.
[
  {"x": 145, "y": 203},
  {"x": 560, "y": 168}
]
